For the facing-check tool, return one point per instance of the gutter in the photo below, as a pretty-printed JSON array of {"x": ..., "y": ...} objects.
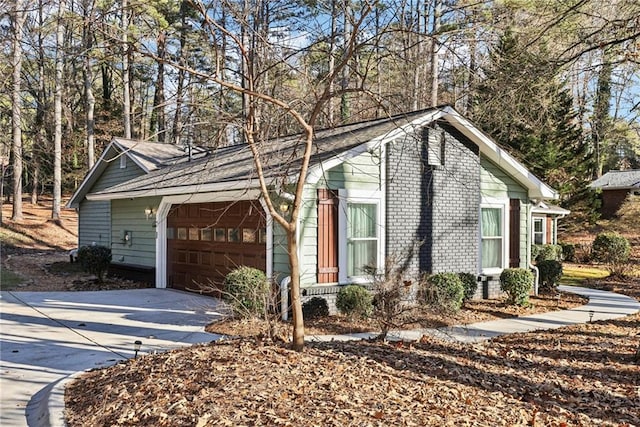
[{"x": 536, "y": 272}]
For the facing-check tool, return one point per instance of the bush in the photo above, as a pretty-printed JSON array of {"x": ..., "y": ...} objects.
[
  {"x": 517, "y": 283},
  {"x": 247, "y": 291},
  {"x": 444, "y": 291},
  {"x": 354, "y": 300},
  {"x": 470, "y": 284},
  {"x": 550, "y": 273},
  {"x": 315, "y": 308},
  {"x": 568, "y": 252},
  {"x": 546, "y": 252},
  {"x": 610, "y": 248},
  {"x": 95, "y": 260}
]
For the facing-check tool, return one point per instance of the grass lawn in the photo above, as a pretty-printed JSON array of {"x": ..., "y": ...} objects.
[
  {"x": 9, "y": 280},
  {"x": 574, "y": 275}
]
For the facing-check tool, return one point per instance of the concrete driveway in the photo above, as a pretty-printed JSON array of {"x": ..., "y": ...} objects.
[{"x": 46, "y": 336}]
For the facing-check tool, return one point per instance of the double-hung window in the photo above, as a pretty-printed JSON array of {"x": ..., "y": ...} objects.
[
  {"x": 492, "y": 227},
  {"x": 539, "y": 231},
  {"x": 361, "y": 236}
]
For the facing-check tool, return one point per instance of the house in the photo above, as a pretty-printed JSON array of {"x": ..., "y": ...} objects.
[
  {"x": 544, "y": 225},
  {"x": 427, "y": 187},
  {"x": 616, "y": 186}
]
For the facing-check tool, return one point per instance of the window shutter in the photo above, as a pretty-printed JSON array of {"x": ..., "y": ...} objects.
[
  {"x": 514, "y": 233},
  {"x": 549, "y": 230},
  {"x": 327, "y": 236}
]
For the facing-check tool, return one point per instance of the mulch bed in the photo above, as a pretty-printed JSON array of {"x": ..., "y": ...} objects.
[{"x": 580, "y": 375}]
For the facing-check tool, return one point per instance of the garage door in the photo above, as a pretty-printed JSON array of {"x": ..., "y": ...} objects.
[{"x": 207, "y": 240}]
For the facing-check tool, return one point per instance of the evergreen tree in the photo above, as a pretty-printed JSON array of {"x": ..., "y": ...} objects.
[{"x": 522, "y": 104}]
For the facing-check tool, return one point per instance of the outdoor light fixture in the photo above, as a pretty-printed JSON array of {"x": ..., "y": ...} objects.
[
  {"x": 590, "y": 316},
  {"x": 148, "y": 212},
  {"x": 284, "y": 207},
  {"x": 136, "y": 347}
]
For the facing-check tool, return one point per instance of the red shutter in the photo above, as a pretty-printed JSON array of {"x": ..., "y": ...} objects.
[
  {"x": 549, "y": 230},
  {"x": 327, "y": 236},
  {"x": 514, "y": 233}
]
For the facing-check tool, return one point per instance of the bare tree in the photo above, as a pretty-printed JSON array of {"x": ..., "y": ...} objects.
[{"x": 16, "y": 109}]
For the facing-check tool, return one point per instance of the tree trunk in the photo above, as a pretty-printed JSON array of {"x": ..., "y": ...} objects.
[
  {"x": 88, "y": 82},
  {"x": 601, "y": 117},
  {"x": 16, "y": 109},
  {"x": 57, "y": 112},
  {"x": 296, "y": 303},
  {"x": 434, "y": 53},
  {"x": 126, "y": 84},
  {"x": 158, "y": 124}
]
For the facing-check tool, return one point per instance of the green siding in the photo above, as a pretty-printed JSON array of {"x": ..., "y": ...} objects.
[
  {"x": 128, "y": 215},
  {"x": 495, "y": 183},
  {"x": 360, "y": 173},
  {"x": 94, "y": 223},
  {"x": 280, "y": 253}
]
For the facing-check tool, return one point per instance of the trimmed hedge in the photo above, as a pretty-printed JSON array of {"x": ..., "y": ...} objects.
[
  {"x": 517, "y": 283},
  {"x": 95, "y": 260},
  {"x": 550, "y": 273},
  {"x": 470, "y": 284},
  {"x": 546, "y": 252},
  {"x": 610, "y": 248},
  {"x": 443, "y": 290},
  {"x": 354, "y": 300},
  {"x": 315, "y": 308}
]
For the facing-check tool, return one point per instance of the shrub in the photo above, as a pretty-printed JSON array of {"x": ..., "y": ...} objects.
[
  {"x": 444, "y": 291},
  {"x": 546, "y": 252},
  {"x": 315, "y": 308},
  {"x": 517, "y": 283},
  {"x": 610, "y": 248},
  {"x": 247, "y": 291},
  {"x": 354, "y": 300},
  {"x": 95, "y": 260},
  {"x": 550, "y": 273},
  {"x": 568, "y": 252},
  {"x": 470, "y": 284}
]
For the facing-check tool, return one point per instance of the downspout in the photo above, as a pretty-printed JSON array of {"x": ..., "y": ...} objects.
[{"x": 536, "y": 272}]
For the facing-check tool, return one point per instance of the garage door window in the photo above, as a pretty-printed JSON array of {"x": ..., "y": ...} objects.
[
  {"x": 205, "y": 234},
  {"x": 220, "y": 235},
  {"x": 248, "y": 235},
  {"x": 233, "y": 235},
  {"x": 182, "y": 233}
]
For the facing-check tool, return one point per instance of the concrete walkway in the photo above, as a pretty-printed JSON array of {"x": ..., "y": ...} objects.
[
  {"x": 602, "y": 305},
  {"x": 47, "y": 336}
]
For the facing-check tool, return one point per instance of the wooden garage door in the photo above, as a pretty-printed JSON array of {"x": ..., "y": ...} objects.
[{"x": 207, "y": 240}]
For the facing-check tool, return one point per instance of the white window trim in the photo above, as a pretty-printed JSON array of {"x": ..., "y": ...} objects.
[
  {"x": 123, "y": 161},
  {"x": 544, "y": 229},
  {"x": 347, "y": 196},
  {"x": 502, "y": 204}
]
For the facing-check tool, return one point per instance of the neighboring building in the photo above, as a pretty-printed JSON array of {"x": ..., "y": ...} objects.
[
  {"x": 616, "y": 185},
  {"x": 427, "y": 187}
]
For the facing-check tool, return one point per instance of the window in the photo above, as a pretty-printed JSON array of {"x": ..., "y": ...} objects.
[
  {"x": 538, "y": 231},
  {"x": 205, "y": 234},
  {"x": 492, "y": 230},
  {"x": 123, "y": 161},
  {"x": 361, "y": 237}
]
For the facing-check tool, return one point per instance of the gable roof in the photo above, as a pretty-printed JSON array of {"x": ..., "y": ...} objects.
[
  {"x": 232, "y": 167},
  {"x": 618, "y": 180},
  {"x": 149, "y": 156},
  {"x": 549, "y": 209}
]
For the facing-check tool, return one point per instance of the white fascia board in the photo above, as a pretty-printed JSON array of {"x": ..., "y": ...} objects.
[
  {"x": 90, "y": 178},
  {"x": 537, "y": 188},
  {"x": 316, "y": 172}
]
